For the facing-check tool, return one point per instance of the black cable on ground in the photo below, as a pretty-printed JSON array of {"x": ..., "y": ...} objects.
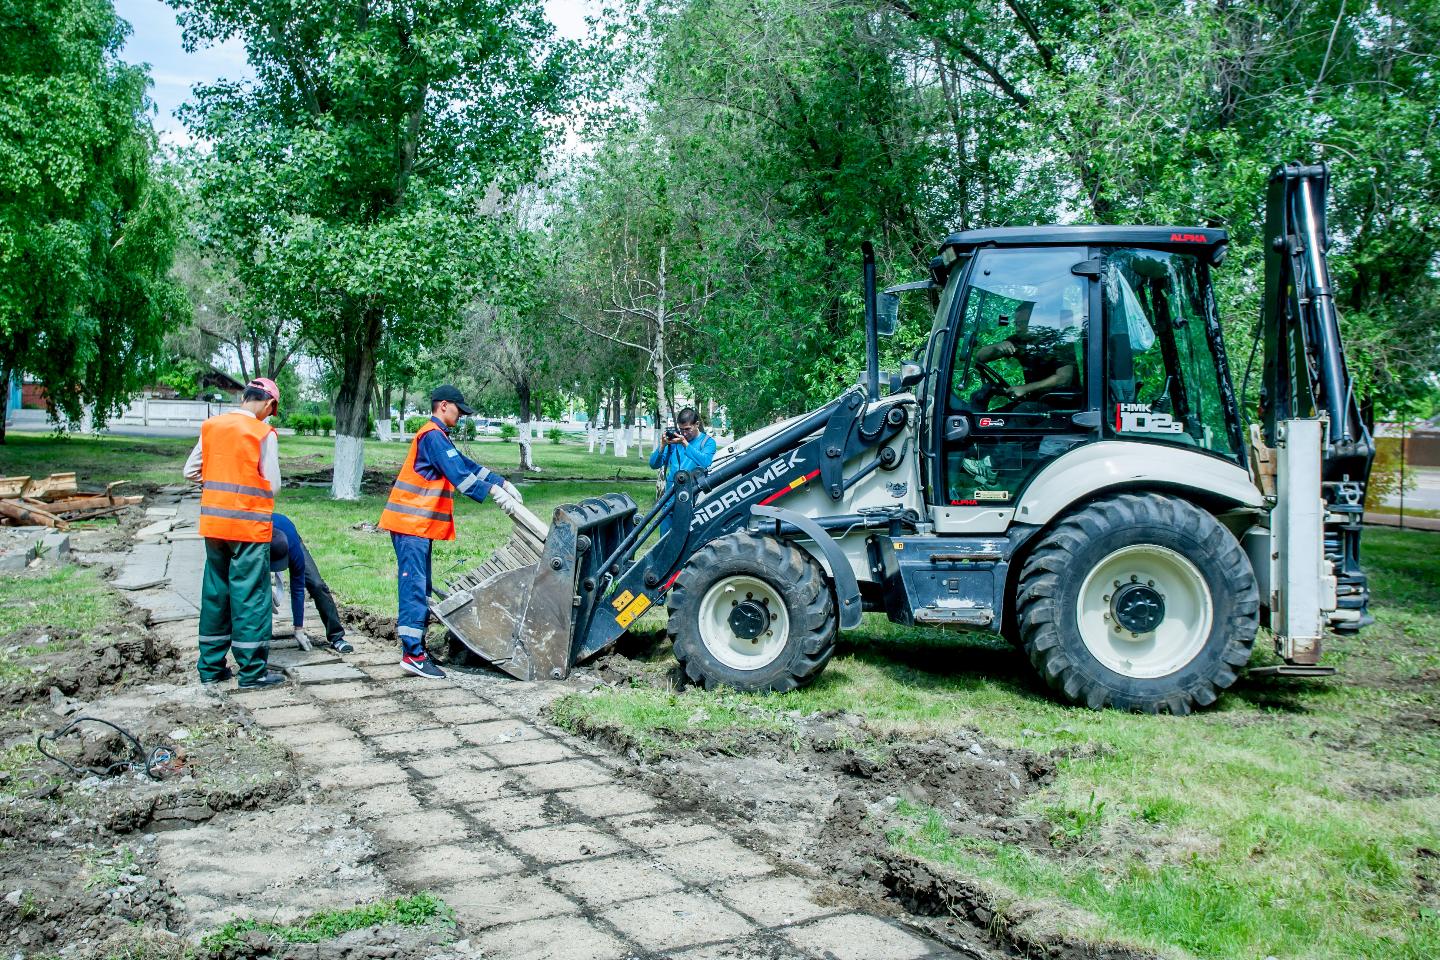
[{"x": 150, "y": 761}]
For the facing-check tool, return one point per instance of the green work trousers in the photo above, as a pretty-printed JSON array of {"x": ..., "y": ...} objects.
[{"x": 235, "y": 609}]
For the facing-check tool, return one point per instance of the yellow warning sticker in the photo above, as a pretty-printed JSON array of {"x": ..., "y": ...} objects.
[
  {"x": 622, "y": 601},
  {"x": 628, "y": 615}
]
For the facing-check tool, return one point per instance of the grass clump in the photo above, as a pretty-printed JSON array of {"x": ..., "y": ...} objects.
[
  {"x": 420, "y": 910},
  {"x": 65, "y": 597}
]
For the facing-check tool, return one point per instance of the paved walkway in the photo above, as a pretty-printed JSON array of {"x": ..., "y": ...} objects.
[{"x": 532, "y": 836}]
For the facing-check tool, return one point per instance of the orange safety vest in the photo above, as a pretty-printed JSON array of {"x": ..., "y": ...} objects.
[
  {"x": 235, "y": 501},
  {"x": 418, "y": 506}
]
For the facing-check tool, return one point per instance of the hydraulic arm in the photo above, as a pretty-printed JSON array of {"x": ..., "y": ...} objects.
[{"x": 1305, "y": 373}]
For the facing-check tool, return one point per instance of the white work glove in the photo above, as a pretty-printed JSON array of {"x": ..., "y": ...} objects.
[
  {"x": 504, "y": 501},
  {"x": 510, "y": 489},
  {"x": 302, "y": 639}
]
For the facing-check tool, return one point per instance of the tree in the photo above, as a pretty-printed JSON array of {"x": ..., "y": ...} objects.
[
  {"x": 357, "y": 171},
  {"x": 87, "y": 220}
]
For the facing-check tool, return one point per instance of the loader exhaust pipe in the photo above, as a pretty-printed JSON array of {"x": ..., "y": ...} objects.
[{"x": 872, "y": 334}]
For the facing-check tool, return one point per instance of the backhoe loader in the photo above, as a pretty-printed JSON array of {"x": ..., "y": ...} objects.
[{"x": 1066, "y": 464}]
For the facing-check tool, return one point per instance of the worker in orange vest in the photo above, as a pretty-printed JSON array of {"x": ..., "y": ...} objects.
[
  {"x": 421, "y": 510},
  {"x": 237, "y": 461}
]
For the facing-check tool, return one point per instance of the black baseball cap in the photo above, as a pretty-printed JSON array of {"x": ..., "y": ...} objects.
[{"x": 447, "y": 391}]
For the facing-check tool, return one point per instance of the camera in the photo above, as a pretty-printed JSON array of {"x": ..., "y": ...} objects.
[{"x": 672, "y": 433}]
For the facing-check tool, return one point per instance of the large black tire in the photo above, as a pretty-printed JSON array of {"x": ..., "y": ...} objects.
[
  {"x": 742, "y": 565},
  {"x": 1185, "y": 663}
]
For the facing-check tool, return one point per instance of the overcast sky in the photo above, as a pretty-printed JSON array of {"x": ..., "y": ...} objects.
[{"x": 155, "y": 39}]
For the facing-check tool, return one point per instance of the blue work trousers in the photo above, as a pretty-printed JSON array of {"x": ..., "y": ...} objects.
[{"x": 412, "y": 557}]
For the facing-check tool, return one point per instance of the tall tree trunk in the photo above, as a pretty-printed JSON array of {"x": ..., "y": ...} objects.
[
  {"x": 527, "y": 461},
  {"x": 6, "y": 372},
  {"x": 632, "y": 402},
  {"x": 592, "y": 411},
  {"x": 357, "y": 373}
]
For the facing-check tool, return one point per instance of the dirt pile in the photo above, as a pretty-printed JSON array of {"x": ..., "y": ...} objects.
[
  {"x": 119, "y": 653},
  {"x": 76, "y": 871}
]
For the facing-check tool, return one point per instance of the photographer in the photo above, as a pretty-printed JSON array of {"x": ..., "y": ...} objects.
[{"x": 683, "y": 447}]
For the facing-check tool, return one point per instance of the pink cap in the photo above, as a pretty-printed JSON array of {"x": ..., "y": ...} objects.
[{"x": 268, "y": 385}]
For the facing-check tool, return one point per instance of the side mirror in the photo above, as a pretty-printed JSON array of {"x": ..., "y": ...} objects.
[
  {"x": 887, "y": 314},
  {"x": 908, "y": 375}
]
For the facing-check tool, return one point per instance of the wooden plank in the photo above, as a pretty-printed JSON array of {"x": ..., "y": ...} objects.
[
  {"x": 91, "y": 502},
  {"x": 11, "y": 486},
  {"x": 55, "y": 483},
  {"x": 31, "y": 516}
]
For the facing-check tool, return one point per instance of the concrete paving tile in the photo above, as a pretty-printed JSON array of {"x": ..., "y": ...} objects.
[
  {"x": 435, "y": 693},
  {"x": 332, "y": 752},
  {"x": 443, "y": 764},
  {"x": 855, "y": 936},
  {"x": 552, "y": 938},
  {"x": 601, "y": 883},
  {"x": 420, "y": 828},
  {"x": 395, "y": 721},
  {"x": 266, "y": 697},
  {"x": 507, "y": 813},
  {"x": 608, "y": 800},
  {"x": 649, "y": 831},
  {"x": 451, "y": 863},
  {"x": 565, "y": 775},
  {"x": 386, "y": 669},
  {"x": 357, "y": 776},
  {"x": 364, "y": 707},
  {"x": 412, "y": 742},
  {"x": 383, "y": 800},
  {"x": 564, "y": 843},
  {"x": 463, "y": 786},
  {"x": 312, "y": 733},
  {"x": 327, "y": 673},
  {"x": 475, "y": 712},
  {"x": 505, "y": 900},
  {"x": 763, "y": 946},
  {"x": 711, "y": 861},
  {"x": 678, "y": 920},
  {"x": 529, "y": 751},
  {"x": 342, "y": 691},
  {"x": 285, "y": 716},
  {"x": 775, "y": 901},
  {"x": 496, "y": 731}
]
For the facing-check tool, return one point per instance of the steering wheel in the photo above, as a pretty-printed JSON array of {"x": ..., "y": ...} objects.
[
  {"x": 991, "y": 376},
  {"x": 992, "y": 384}
]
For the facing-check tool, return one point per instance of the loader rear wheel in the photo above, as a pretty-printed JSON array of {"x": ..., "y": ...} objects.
[
  {"x": 752, "y": 613},
  {"x": 1139, "y": 602}
]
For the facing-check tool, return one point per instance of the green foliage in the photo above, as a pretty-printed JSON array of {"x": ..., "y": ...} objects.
[
  {"x": 508, "y": 432},
  {"x": 325, "y": 422},
  {"x": 467, "y": 429},
  {"x": 555, "y": 434},
  {"x": 301, "y": 423},
  {"x": 413, "y": 424},
  {"x": 87, "y": 221},
  {"x": 417, "y": 910},
  {"x": 346, "y": 181}
]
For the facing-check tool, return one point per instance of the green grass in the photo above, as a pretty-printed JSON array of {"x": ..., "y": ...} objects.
[
  {"x": 68, "y": 596},
  {"x": 420, "y": 910},
  {"x": 1285, "y": 822}
]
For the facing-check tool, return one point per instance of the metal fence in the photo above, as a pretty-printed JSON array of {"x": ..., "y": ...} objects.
[{"x": 1405, "y": 481}]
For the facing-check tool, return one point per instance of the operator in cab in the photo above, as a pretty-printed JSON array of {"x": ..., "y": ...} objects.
[
  {"x": 421, "y": 510},
  {"x": 1046, "y": 354}
]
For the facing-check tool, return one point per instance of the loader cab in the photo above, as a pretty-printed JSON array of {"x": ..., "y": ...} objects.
[{"x": 1049, "y": 338}]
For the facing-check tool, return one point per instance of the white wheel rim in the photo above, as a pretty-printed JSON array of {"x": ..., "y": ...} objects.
[
  {"x": 1179, "y": 637},
  {"x": 732, "y": 650}
]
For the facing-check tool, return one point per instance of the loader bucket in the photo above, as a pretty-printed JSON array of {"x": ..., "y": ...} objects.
[{"x": 519, "y": 609}]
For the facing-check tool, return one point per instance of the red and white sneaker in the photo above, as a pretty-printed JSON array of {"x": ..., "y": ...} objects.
[{"x": 422, "y": 667}]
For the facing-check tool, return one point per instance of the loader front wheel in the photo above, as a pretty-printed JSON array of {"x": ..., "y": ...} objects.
[
  {"x": 752, "y": 613},
  {"x": 1139, "y": 602}
]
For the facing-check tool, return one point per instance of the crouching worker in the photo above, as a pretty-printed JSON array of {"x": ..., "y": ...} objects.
[
  {"x": 288, "y": 553},
  {"x": 421, "y": 511},
  {"x": 237, "y": 461}
]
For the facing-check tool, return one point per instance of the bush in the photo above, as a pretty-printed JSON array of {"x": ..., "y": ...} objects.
[
  {"x": 467, "y": 429},
  {"x": 326, "y": 423},
  {"x": 301, "y": 423},
  {"x": 413, "y": 424},
  {"x": 554, "y": 434},
  {"x": 508, "y": 432}
]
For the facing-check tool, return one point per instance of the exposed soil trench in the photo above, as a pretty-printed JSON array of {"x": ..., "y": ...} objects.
[{"x": 825, "y": 793}]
